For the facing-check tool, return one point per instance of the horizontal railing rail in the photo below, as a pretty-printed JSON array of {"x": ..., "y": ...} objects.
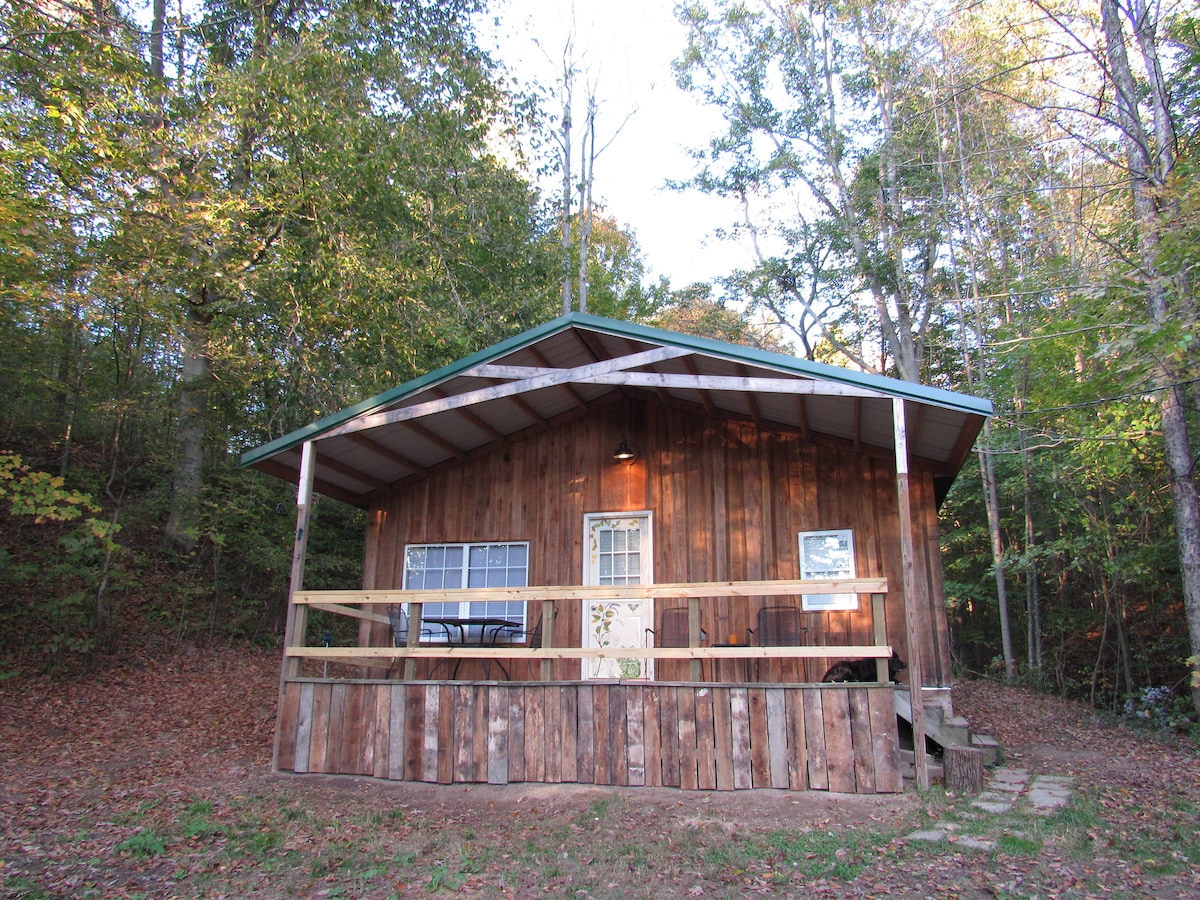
[{"x": 338, "y": 602}]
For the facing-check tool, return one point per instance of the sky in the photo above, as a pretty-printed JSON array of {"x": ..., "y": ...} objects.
[{"x": 625, "y": 47}]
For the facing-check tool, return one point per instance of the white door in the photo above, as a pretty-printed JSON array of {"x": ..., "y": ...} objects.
[{"x": 617, "y": 551}]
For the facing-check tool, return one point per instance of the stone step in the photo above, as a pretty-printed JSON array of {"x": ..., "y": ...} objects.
[{"x": 990, "y": 747}]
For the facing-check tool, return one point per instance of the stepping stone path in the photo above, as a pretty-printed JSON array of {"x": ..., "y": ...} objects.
[{"x": 1005, "y": 788}]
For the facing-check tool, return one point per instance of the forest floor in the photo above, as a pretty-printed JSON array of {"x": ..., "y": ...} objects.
[{"x": 153, "y": 779}]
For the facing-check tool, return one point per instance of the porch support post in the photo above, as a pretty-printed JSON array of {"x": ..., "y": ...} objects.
[
  {"x": 296, "y": 624},
  {"x": 911, "y": 623}
]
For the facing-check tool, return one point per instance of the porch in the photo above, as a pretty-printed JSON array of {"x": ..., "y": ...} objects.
[{"x": 755, "y": 729}]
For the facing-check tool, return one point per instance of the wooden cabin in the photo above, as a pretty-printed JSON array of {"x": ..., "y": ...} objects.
[{"x": 606, "y": 553}]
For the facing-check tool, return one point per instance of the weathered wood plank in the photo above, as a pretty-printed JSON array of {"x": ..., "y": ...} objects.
[
  {"x": 570, "y": 732},
  {"x": 722, "y": 739},
  {"x": 739, "y": 712},
  {"x": 586, "y": 742},
  {"x": 397, "y": 731},
  {"x": 479, "y": 727},
  {"x": 445, "y": 733},
  {"x": 429, "y": 748},
  {"x": 797, "y": 746},
  {"x": 617, "y": 731},
  {"x": 777, "y": 736},
  {"x": 319, "y": 743},
  {"x": 497, "y": 732},
  {"x": 668, "y": 733},
  {"x": 354, "y": 730},
  {"x": 462, "y": 744},
  {"x": 706, "y": 764},
  {"x": 285, "y": 727},
  {"x": 517, "y": 698},
  {"x": 838, "y": 749},
  {"x": 814, "y": 733},
  {"x": 336, "y": 740},
  {"x": 652, "y": 736},
  {"x": 415, "y": 701},
  {"x": 760, "y": 750},
  {"x": 382, "y": 731},
  {"x": 304, "y": 728},
  {"x": 535, "y": 735},
  {"x": 687, "y": 738},
  {"x": 552, "y": 698},
  {"x": 886, "y": 741},
  {"x": 860, "y": 736},
  {"x": 635, "y": 743}
]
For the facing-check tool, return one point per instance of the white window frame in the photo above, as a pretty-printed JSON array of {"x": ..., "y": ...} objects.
[
  {"x": 513, "y": 610},
  {"x": 809, "y": 570}
]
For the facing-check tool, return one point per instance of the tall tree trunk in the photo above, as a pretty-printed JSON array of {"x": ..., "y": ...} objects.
[
  {"x": 188, "y": 478},
  {"x": 1150, "y": 156},
  {"x": 991, "y": 496}
]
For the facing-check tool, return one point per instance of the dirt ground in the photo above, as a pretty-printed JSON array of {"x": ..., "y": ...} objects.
[{"x": 177, "y": 751}]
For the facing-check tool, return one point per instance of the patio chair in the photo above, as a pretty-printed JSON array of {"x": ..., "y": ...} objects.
[
  {"x": 399, "y": 619},
  {"x": 780, "y": 626},
  {"x": 672, "y": 631}
]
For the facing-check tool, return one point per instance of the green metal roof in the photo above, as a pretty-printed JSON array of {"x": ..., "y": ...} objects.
[{"x": 561, "y": 340}]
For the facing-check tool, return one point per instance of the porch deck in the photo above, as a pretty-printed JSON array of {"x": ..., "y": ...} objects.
[{"x": 693, "y": 736}]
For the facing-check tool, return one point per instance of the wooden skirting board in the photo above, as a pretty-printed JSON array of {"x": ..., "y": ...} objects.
[{"x": 691, "y": 736}]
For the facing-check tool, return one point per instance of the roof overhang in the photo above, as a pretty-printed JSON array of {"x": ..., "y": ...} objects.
[{"x": 579, "y": 362}]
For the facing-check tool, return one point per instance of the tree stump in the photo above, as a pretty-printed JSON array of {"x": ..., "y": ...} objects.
[{"x": 964, "y": 770}]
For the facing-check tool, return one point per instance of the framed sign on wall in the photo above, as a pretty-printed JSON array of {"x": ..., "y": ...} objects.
[{"x": 826, "y": 555}]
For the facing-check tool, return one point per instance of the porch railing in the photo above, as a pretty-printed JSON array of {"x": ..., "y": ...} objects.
[{"x": 338, "y": 602}]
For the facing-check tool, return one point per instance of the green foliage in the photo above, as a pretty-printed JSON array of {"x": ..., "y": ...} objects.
[{"x": 144, "y": 844}]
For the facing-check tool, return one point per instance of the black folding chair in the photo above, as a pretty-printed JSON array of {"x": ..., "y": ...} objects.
[
  {"x": 673, "y": 629},
  {"x": 781, "y": 626}
]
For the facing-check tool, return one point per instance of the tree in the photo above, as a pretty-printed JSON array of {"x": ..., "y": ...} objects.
[{"x": 825, "y": 105}]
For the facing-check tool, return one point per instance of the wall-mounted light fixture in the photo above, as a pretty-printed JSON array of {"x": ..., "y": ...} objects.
[{"x": 624, "y": 453}]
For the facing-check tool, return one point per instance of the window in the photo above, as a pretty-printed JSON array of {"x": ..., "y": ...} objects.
[
  {"x": 450, "y": 566},
  {"x": 825, "y": 555},
  {"x": 619, "y": 555}
]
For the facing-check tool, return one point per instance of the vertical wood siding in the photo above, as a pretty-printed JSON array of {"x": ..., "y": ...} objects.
[
  {"x": 689, "y": 736},
  {"x": 728, "y": 502}
]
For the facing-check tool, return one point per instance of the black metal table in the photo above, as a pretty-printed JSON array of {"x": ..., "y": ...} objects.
[{"x": 461, "y": 626}]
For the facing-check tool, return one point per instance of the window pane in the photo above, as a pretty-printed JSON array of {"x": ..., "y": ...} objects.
[
  {"x": 635, "y": 540},
  {"x": 497, "y": 555},
  {"x": 477, "y": 578},
  {"x": 635, "y": 565},
  {"x": 517, "y": 578},
  {"x": 619, "y": 538},
  {"x": 496, "y": 578},
  {"x": 605, "y": 540},
  {"x": 618, "y": 565},
  {"x": 518, "y": 555},
  {"x": 606, "y": 566},
  {"x": 452, "y": 579},
  {"x": 478, "y": 556},
  {"x": 435, "y": 558}
]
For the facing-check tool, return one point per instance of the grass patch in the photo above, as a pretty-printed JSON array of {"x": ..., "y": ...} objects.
[
  {"x": 1018, "y": 845},
  {"x": 839, "y": 855}
]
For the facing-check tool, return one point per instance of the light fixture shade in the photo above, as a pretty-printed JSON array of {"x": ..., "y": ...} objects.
[{"x": 624, "y": 453}]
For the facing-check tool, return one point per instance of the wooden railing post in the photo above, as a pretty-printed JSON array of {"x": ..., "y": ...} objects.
[
  {"x": 547, "y": 637},
  {"x": 695, "y": 670},
  {"x": 415, "y": 612},
  {"x": 879, "y": 628}
]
